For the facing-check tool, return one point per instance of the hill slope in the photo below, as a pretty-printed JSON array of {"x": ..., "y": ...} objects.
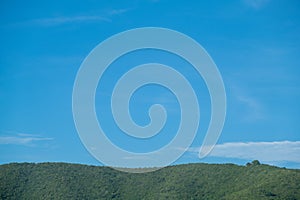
[{"x": 191, "y": 181}]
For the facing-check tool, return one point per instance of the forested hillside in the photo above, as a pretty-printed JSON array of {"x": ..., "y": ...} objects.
[{"x": 190, "y": 181}]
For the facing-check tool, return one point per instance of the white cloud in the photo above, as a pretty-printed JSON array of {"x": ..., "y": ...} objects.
[
  {"x": 270, "y": 152},
  {"x": 22, "y": 139}
]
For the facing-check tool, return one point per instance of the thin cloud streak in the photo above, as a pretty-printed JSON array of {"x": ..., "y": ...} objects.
[
  {"x": 64, "y": 20},
  {"x": 118, "y": 11},
  {"x": 271, "y": 152},
  {"x": 22, "y": 139},
  {"x": 61, "y": 20},
  {"x": 254, "y": 108}
]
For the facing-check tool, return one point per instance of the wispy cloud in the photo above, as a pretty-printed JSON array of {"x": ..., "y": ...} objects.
[
  {"x": 256, "y": 4},
  {"x": 270, "y": 152},
  {"x": 248, "y": 106},
  {"x": 64, "y": 20},
  {"x": 22, "y": 139},
  {"x": 253, "y": 107},
  {"x": 61, "y": 20},
  {"x": 118, "y": 11}
]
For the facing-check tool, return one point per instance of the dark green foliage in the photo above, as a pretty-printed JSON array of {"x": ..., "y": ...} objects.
[
  {"x": 255, "y": 162},
  {"x": 191, "y": 181}
]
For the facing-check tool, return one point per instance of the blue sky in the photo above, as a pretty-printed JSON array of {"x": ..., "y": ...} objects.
[{"x": 254, "y": 43}]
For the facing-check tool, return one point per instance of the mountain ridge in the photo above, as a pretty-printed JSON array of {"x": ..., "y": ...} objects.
[{"x": 186, "y": 181}]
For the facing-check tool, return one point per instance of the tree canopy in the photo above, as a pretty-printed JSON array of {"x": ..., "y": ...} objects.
[{"x": 189, "y": 181}]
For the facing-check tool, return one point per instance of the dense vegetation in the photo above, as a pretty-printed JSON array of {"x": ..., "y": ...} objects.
[{"x": 190, "y": 181}]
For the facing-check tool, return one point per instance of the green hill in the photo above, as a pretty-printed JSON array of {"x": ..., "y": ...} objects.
[{"x": 190, "y": 181}]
